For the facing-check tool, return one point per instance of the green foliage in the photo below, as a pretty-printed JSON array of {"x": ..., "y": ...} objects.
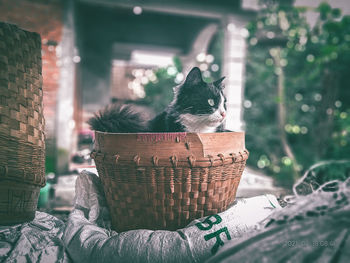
[
  {"x": 159, "y": 93},
  {"x": 316, "y": 63},
  {"x": 50, "y": 164},
  {"x": 328, "y": 171},
  {"x": 340, "y": 139}
]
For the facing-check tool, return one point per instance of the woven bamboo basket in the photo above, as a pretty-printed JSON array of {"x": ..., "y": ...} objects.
[
  {"x": 165, "y": 180},
  {"x": 21, "y": 124}
]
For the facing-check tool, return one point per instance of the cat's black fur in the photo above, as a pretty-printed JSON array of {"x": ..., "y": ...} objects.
[
  {"x": 119, "y": 119},
  {"x": 197, "y": 107}
]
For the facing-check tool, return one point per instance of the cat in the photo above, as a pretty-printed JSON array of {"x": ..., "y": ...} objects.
[{"x": 197, "y": 106}]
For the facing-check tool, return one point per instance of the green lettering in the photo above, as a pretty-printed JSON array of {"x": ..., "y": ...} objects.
[
  {"x": 219, "y": 241},
  {"x": 201, "y": 225}
]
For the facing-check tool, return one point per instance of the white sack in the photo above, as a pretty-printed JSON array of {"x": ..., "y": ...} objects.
[
  {"x": 88, "y": 237},
  {"x": 35, "y": 241},
  {"x": 315, "y": 228}
]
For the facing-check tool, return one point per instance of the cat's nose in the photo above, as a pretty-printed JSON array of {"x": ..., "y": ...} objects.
[{"x": 223, "y": 114}]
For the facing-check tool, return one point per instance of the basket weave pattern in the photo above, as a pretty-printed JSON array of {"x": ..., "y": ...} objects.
[
  {"x": 160, "y": 192},
  {"x": 22, "y": 143}
]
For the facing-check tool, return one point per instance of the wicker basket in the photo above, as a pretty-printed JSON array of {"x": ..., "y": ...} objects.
[
  {"x": 165, "y": 180},
  {"x": 21, "y": 124}
]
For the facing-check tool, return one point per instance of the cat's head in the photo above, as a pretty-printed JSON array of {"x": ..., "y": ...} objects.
[{"x": 201, "y": 106}]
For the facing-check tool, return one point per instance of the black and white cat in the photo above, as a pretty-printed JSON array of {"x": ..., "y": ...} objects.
[{"x": 197, "y": 107}]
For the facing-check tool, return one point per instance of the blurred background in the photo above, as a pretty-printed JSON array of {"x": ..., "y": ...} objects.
[{"x": 286, "y": 65}]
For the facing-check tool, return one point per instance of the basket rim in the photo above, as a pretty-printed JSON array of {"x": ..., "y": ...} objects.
[
  {"x": 170, "y": 149},
  {"x": 172, "y": 161},
  {"x": 175, "y": 133}
]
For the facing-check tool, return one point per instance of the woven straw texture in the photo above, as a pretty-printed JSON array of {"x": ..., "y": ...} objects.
[
  {"x": 22, "y": 146},
  {"x": 164, "y": 181}
]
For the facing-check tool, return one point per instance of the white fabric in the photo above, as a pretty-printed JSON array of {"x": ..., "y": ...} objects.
[
  {"x": 88, "y": 237},
  {"x": 314, "y": 228},
  {"x": 35, "y": 241}
]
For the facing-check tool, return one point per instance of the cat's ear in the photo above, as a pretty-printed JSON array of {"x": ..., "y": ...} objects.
[
  {"x": 218, "y": 83},
  {"x": 194, "y": 77}
]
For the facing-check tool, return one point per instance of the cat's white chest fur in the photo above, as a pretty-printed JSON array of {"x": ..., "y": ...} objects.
[{"x": 194, "y": 123}]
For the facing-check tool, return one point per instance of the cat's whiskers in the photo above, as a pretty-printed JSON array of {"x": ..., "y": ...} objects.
[{"x": 187, "y": 109}]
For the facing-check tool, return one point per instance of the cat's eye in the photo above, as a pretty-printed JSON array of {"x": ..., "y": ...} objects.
[{"x": 211, "y": 102}]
